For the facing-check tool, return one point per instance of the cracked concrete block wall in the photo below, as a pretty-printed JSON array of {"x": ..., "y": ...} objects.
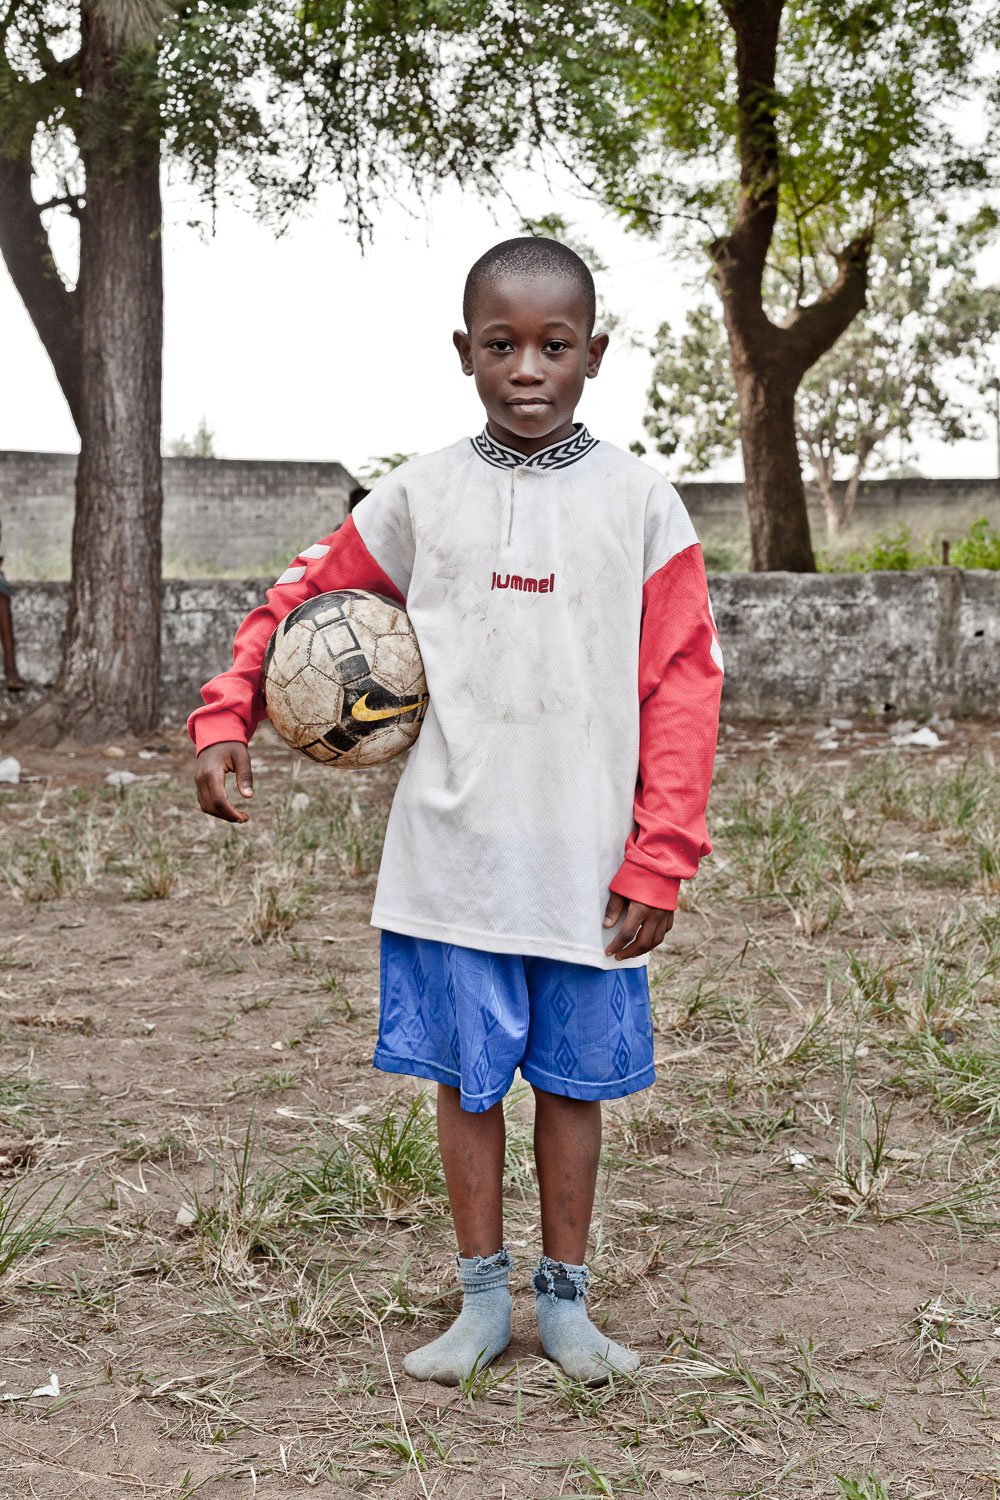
[
  {"x": 218, "y": 513},
  {"x": 243, "y": 514},
  {"x": 860, "y": 643},
  {"x": 796, "y": 645}
]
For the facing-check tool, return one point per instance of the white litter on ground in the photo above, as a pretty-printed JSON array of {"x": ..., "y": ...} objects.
[
  {"x": 49, "y": 1389},
  {"x": 921, "y": 739},
  {"x": 120, "y": 778},
  {"x": 10, "y": 769}
]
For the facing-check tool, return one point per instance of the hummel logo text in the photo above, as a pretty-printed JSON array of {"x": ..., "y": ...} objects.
[{"x": 525, "y": 585}]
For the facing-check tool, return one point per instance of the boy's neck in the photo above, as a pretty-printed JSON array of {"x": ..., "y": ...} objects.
[{"x": 530, "y": 445}]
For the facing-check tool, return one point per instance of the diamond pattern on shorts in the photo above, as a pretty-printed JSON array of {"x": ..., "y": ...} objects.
[
  {"x": 562, "y": 1004},
  {"x": 566, "y": 1059},
  {"x": 481, "y": 1070},
  {"x": 469, "y": 1015},
  {"x": 416, "y": 1029}
]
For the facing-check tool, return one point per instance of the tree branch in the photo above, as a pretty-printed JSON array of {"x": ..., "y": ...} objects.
[
  {"x": 66, "y": 68},
  {"x": 54, "y": 311},
  {"x": 755, "y": 25},
  {"x": 813, "y": 329},
  {"x": 73, "y": 201}
]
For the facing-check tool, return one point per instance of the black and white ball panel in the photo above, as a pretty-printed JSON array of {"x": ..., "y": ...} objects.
[{"x": 343, "y": 679}]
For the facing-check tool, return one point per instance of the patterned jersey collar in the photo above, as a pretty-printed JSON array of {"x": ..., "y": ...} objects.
[{"x": 559, "y": 456}]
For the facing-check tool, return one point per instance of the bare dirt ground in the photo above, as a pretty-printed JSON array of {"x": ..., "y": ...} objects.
[{"x": 221, "y": 1228}]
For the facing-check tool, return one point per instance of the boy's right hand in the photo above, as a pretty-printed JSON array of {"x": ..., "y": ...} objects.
[{"x": 213, "y": 765}]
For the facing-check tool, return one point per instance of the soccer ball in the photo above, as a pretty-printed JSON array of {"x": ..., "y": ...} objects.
[{"x": 343, "y": 679}]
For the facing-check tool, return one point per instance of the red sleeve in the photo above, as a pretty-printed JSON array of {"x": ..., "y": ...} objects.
[
  {"x": 680, "y": 684},
  {"x": 233, "y": 703}
]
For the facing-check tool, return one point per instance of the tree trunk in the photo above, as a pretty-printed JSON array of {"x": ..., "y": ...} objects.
[
  {"x": 775, "y": 493},
  {"x": 53, "y": 309},
  {"x": 823, "y": 465},
  {"x": 867, "y": 444},
  {"x": 769, "y": 361},
  {"x": 110, "y": 673},
  {"x": 831, "y": 506},
  {"x": 851, "y": 493},
  {"x": 834, "y": 523}
]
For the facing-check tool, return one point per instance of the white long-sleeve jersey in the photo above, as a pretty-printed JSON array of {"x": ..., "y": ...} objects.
[{"x": 574, "y": 674}]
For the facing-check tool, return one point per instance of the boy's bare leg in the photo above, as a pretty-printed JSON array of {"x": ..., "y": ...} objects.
[
  {"x": 567, "y": 1155},
  {"x": 472, "y": 1151},
  {"x": 11, "y": 674}
]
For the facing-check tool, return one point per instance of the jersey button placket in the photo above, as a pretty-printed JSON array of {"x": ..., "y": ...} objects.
[{"x": 515, "y": 474}]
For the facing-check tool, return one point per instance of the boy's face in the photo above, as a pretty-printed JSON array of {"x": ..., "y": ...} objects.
[{"x": 530, "y": 350}]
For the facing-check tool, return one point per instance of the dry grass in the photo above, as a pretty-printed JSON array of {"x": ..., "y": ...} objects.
[{"x": 220, "y": 1229}]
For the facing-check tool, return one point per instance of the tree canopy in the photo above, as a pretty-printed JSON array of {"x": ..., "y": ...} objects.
[
  {"x": 782, "y": 134},
  {"x": 262, "y": 101},
  {"x": 919, "y": 359},
  {"x": 273, "y": 99},
  {"x": 869, "y": 111}
]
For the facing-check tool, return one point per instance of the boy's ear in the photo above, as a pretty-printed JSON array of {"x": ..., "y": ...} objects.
[
  {"x": 463, "y": 344},
  {"x": 596, "y": 350}
]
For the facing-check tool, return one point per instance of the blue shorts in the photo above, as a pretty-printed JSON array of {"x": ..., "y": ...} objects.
[
  {"x": 467, "y": 1018},
  {"x": 4, "y": 586}
]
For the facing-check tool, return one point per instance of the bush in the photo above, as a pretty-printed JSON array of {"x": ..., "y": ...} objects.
[
  {"x": 979, "y": 549},
  {"x": 898, "y": 550},
  {"x": 895, "y": 551},
  {"x": 724, "y": 553}
]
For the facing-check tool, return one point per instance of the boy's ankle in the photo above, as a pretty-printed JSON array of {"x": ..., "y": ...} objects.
[
  {"x": 560, "y": 1280},
  {"x": 483, "y": 1273}
]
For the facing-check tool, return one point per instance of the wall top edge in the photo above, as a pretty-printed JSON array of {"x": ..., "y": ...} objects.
[{"x": 18, "y": 455}]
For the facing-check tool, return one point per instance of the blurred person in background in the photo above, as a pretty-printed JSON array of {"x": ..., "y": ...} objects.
[{"x": 12, "y": 677}]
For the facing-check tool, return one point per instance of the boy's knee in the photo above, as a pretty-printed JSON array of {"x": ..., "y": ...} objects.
[{"x": 563, "y": 1101}]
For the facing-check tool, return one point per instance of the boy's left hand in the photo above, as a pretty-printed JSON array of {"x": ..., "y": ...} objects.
[{"x": 643, "y": 928}]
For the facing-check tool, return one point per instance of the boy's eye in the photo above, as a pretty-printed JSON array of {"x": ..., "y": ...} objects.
[
  {"x": 556, "y": 346},
  {"x": 502, "y": 346}
]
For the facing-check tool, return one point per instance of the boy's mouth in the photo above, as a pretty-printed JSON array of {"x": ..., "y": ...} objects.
[{"x": 527, "y": 405}]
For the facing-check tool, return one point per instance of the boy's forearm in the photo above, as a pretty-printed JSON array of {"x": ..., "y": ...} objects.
[{"x": 680, "y": 686}]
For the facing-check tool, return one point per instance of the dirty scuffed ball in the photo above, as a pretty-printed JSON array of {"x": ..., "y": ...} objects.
[{"x": 343, "y": 679}]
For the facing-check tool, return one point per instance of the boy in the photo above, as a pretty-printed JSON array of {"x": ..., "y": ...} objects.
[{"x": 547, "y": 801}]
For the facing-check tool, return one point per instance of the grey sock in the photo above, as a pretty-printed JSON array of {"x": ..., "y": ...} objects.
[
  {"x": 479, "y": 1333},
  {"x": 568, "y": 1336}
]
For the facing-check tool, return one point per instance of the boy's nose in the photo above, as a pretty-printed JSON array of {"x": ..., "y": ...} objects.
[{"x": 528, "y": 369}]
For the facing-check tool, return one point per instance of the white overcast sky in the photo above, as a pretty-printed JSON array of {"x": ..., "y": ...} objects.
[{"x": 302, "y": 347}]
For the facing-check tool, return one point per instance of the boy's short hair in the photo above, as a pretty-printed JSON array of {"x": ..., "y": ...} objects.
[{"x": 531, "y": 255}]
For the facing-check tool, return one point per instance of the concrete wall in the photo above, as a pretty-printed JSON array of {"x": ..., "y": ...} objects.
[
  {"x": 881, "y": 501},
  {"x": 814, "y": 646},
  {"x": 222, "y": 514},
  {"x": 833, "y": 643},
  {"x": 244, "y": 516}
]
